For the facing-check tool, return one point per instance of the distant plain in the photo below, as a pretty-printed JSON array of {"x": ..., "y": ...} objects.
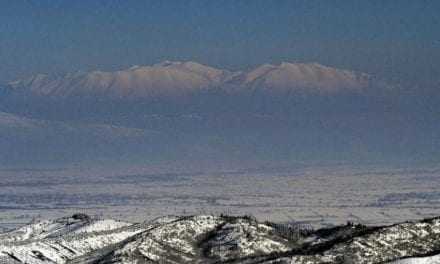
[{"x": 319, "y": 195}]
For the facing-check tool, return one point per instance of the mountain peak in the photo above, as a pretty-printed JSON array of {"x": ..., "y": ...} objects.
[{"x": 167, "y": 63}]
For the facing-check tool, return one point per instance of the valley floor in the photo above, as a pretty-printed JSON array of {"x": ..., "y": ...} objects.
[{"x": 322, "y": 196}]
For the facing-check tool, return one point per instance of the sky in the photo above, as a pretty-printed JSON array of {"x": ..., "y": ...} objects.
[{"x": 396, "y": 40}]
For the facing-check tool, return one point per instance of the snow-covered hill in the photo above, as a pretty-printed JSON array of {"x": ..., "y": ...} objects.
[
  {"x": 217, "y": 239},
  {"x": 171, "y": 79}
]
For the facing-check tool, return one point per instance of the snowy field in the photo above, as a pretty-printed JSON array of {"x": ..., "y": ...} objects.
[{"x": 322, "y": 196}]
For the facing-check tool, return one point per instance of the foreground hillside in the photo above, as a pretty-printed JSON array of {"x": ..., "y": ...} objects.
[{"x": 217, "y": 239}]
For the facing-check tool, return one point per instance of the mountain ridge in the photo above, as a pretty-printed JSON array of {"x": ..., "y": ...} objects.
[{"x": 175, "y": 78}]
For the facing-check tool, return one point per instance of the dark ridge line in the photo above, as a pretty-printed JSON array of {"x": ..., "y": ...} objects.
[{"x": 13, "y": 257}]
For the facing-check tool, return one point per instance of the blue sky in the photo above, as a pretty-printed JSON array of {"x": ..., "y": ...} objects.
[{"x": 397, "y": 40}]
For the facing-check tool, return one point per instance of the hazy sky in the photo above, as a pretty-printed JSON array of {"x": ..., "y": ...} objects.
[{"x": 398, "y": 40}]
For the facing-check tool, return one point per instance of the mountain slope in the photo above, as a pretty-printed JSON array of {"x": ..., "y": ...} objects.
[{"x": 217, "y": 239}]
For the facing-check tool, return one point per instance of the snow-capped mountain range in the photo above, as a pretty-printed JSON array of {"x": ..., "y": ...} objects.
[
  {"x": 217, "y": 239},
  {"x": 183, "y": 78}
]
